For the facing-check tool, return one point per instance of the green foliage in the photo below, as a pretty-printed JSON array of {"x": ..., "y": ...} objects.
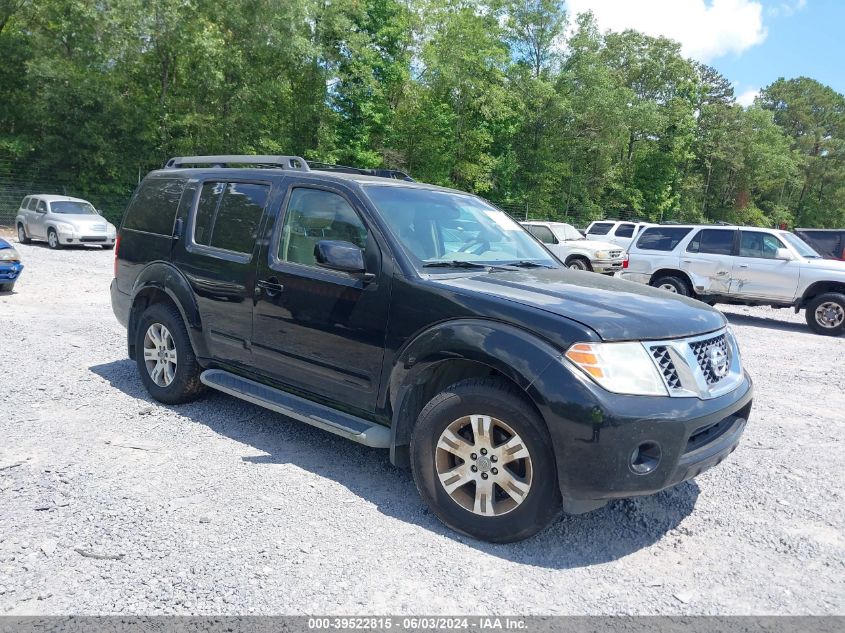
[{"x": 498, "y": 97}]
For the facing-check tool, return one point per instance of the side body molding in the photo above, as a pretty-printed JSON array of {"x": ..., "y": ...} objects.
[{"x": 516, "y": 353}]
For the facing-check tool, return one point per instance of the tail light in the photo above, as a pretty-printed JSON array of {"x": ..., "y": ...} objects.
[
  {"x": 625, "y": 261},
  {"x": 116, "y": 249}
]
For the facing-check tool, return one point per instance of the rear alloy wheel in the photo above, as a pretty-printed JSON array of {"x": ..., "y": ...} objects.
[
  {"x": 826, "y": 314},
  {"x": 672, "y": 284},
  {"x": 578, "y": 263},
  {"x": 483, "y": 461},
  {"x": 53, "y": 239},
  {"x": 165, "y": 358},
  {"x": 22, "y": 238}
]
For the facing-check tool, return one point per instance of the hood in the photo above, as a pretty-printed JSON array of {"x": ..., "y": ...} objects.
[
  {"x": 594, "y": 245},
  {"x": 4, "y": 243},
  {"x": 616, "y": 310},
  {"x": 81, "y": 220}
]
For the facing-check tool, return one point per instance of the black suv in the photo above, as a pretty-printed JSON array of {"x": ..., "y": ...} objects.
[{"x": 424, "y": 320}]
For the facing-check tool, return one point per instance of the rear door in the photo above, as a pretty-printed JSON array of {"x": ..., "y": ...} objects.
[
  {"x": 758, "y": 273},
  {"x": 709, "y": 260},
  {"x": 218, "y": 258}
]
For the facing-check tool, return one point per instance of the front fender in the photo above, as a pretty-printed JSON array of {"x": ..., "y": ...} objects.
[
  {"x": 516, "y": 353},
  {"x": 165, "y": 277}
]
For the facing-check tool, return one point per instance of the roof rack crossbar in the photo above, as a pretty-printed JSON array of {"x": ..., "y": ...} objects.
[{"x": 285, "y": 162}]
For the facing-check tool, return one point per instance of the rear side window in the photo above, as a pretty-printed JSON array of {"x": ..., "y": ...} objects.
[
  {"x": 542, "y": 233},
  {"x": 712, "y": 242},
  {"x": 33, "y": 203},
  {"x": 625, "y": 230},
  {"x": 153, "y": 209},
  {"x": 600, "y": 228},
  {"x": 662, "y": 238},
  {"x": 228, "y": 215}
]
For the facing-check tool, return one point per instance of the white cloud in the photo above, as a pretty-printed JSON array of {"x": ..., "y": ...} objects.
[
  {"x": 786, "y": 8},
  {"x": 705, "y": 29},
  {"x": 746, "y": 98}
]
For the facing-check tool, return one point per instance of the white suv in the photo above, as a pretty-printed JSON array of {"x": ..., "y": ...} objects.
[
  {"x": 615, "y": 232},
  {"x": 574, "y": 250},
  {"x": 741, "y": 265}
]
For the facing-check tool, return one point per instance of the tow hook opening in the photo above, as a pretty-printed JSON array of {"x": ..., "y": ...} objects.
[{"x": 645, "y": 458}]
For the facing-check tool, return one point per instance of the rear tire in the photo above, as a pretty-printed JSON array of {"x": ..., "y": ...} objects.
[
  {"x": 485, "y": 510},
  {"x": 579, "y": 263},
  {"x": 825, "y": 314},
  {"x": 22, "y": 238},
  {"x": 53, "y": 240},
  {"x": 165, "y": 358},
  {"x": 672, "y": 284}
]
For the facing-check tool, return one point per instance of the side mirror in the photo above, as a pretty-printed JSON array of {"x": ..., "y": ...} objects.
[
  {"x": 784, "y": 254},
  {"x": 338, "y": 255}
]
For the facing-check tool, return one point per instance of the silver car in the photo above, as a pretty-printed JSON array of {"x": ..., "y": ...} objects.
[{"x": 61, "y": 220}]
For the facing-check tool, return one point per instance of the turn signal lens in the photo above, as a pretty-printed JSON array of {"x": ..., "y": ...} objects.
[{"x": 618, "y": 367}]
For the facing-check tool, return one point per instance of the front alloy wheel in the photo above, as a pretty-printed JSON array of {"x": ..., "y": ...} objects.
[
  {"x": 484, "y": 465},
  {"x": 160, "y": 357},
  {"x": 53, "y": 239},
  {"x": 826, "y": 314}
]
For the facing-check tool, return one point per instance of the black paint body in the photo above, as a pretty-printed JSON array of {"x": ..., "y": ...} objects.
[{"x": 369, "y": 343}]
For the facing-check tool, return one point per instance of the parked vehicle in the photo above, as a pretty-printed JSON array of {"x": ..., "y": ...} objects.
[
  {"x": 615, "y": 232},
  {"x": 61, "y": 220},
  {"x": 742, "y": 265},
  {"x": 424, "y": 320},
  {"x": 829, "y": 243},
  {"x": 10, "y": 266},
  {"x": 574, "y": 250}
]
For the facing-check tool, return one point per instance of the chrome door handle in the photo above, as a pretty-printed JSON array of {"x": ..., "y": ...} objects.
[
  {"x": 722, "y": 272},
  {"x": 270, "y": 286},
  {"x": 743, "y": 265}
]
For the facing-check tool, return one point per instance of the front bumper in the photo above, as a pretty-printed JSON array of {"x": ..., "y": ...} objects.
[
  {"x": 85, "y": 237},
  {"x": 606, "y": 266},
  {"x": 10, "y": 272},
  {"x": 596, "y": 433}
]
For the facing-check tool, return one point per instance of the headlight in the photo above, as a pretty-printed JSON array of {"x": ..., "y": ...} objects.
[
  {"x": 65, "y": 228},
  {"x": 619, "y": 367},
  {"x": 9, "y": 254},
  {"x": 602, "y": 255}
]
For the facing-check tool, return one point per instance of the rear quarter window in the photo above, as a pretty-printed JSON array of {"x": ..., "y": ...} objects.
[
  {"x": 153, "y": 208},
  {"x": 662, "y": 239}
]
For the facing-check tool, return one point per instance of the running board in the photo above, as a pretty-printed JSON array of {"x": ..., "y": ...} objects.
[{"x": 349, "y": 426}]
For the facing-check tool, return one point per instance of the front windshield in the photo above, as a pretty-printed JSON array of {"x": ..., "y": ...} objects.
[
  {"x": 440, "y": 226},
  {"x": 804, "y": 249},
  {"x": 567, "y": 232},
  {"x": 70, "y": 207}
]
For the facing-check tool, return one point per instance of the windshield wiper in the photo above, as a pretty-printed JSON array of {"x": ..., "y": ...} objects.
[
  {"x": 455, "y": 263},
  {"x": 527, "y": 264}
]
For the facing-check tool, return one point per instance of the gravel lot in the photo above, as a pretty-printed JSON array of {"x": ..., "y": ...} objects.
[{"x": 111, "y": 503}]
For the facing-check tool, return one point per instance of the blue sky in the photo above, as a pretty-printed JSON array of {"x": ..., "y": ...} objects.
[{"x": 751, "y": 42}]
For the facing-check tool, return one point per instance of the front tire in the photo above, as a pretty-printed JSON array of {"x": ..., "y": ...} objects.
[
  {"x": 825, "y": 314},
  {"x": 22, "y": 238},
  {"x": 672, "y": 284},
  {"x": 482, "y": 460},
  {"x": 579, "y": 263},
  {"x": 7, "y": 287},
  {"x": 53, "y": 239},
  {"x": 165, "y": 358}
]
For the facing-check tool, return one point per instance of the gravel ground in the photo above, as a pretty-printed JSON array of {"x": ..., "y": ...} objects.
[{"x": 112, "y": 503}]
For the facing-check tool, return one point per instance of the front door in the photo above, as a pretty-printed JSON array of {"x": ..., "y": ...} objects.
[
  {"x": 36, "y": 219},
  {"x": 314, "y": 329},
  {"x": 708, "y": 259},
  {"x": 759, "y": 273}
]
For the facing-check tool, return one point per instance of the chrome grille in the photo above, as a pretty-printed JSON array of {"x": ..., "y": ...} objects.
[
  {"x": 615, "y": 254},
  {"x": 701, "y": 349},
  {"x": 666, "y": 366}
]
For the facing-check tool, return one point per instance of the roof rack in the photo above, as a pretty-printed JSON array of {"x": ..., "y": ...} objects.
[
  {"x": 225, "y": 160},
  {"x": 395, "y": 174}
]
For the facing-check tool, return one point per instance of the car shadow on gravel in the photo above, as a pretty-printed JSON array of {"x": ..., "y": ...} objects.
[
  {"x": 764, "y": 322},
  {"x": 610, "y": 533}
]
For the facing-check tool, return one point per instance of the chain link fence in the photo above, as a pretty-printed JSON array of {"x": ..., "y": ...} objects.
[{"x": 16, "y": 183}]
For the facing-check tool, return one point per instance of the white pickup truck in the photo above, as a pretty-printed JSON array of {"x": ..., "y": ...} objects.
[
  {"x": 574, "y": 250},
  {"x": 741, "y": 265}
]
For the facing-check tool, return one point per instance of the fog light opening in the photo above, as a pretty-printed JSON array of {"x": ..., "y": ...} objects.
[{"x": 645, "y": 458}]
